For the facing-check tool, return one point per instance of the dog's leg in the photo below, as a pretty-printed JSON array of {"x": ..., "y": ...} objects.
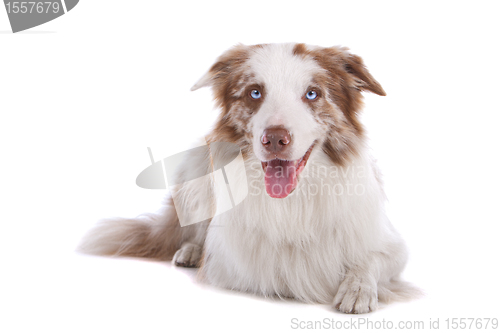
[
  {"x": 359, "y": 291},
  {"x": 188, "y": 255},
  {"x": 190, "y": 252}
]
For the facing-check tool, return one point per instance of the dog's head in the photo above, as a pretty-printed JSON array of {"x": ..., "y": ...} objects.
[{"x": 282, "y": 101}]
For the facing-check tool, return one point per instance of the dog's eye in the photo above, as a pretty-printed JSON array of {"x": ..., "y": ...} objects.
[
  {"x": 311, "y": 95},
  {"x": 255, "y": 94}
]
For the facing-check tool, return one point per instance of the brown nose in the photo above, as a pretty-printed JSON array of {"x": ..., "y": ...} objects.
[{"x": 275, "y": 139}]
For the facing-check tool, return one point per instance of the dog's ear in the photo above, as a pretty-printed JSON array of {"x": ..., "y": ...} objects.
[
  {"x": 204, "y": 81},
  {"x": 354, "y": 65},
  {"x": 335, "y": 59},
  {"x": 225, "y": 65}
]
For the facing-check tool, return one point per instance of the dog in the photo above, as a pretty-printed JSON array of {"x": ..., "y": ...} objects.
[{"x": 313, "y": 226}]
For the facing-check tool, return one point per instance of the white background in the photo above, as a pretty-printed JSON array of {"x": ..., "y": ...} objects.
[{"x": 82, "y": 97}]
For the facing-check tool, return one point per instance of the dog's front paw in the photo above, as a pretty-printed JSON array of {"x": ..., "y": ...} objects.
[
  {"x": 188, "y": 255},
  {"x": 356, "y": 295}
]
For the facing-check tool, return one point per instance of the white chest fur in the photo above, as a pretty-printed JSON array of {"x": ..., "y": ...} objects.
[{"x": 300, "y": 246}]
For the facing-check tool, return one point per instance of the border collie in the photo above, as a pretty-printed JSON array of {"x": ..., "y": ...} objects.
[{"x": 312, "y": 226}]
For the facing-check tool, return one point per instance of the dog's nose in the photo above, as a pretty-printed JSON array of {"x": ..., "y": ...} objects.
[{"x": 276, "y": 139}]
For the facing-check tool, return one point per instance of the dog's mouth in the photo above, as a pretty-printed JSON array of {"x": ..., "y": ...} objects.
[{"x": 281, "y": 176}]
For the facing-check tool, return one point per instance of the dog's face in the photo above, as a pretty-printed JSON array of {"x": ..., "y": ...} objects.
[{"x": 282, "y": 101}]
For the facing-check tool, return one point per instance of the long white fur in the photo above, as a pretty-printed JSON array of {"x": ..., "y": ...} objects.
[{"x": 305, "y": 245}]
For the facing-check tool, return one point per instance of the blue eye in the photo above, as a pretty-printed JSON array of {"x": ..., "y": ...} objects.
[
  {"x": 311, "y": 95},
  {"x": 255, "y": 94}
]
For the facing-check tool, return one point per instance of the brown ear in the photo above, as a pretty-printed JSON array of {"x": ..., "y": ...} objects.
[
  {"x": 354, "y": 65},
  {"x": 223, "y": 67}
]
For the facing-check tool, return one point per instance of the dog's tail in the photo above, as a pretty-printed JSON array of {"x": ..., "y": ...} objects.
[
  {"x": 150, "y": 235},
  {"x": 398, "y": 290}
]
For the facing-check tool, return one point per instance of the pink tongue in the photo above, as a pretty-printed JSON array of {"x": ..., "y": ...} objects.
[{"x": 281, "y": 178}]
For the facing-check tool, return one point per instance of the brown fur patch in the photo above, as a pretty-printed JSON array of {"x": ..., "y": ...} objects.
[
  {"x": 345, "y": 79},
  {"x": 300, "y": 50},
  {"x": 229, "y": 79}
]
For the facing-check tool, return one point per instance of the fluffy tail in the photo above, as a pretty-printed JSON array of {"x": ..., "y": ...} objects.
[
  {"x": 398, "y": 290},
  {"x": 151, "y": 235}
]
